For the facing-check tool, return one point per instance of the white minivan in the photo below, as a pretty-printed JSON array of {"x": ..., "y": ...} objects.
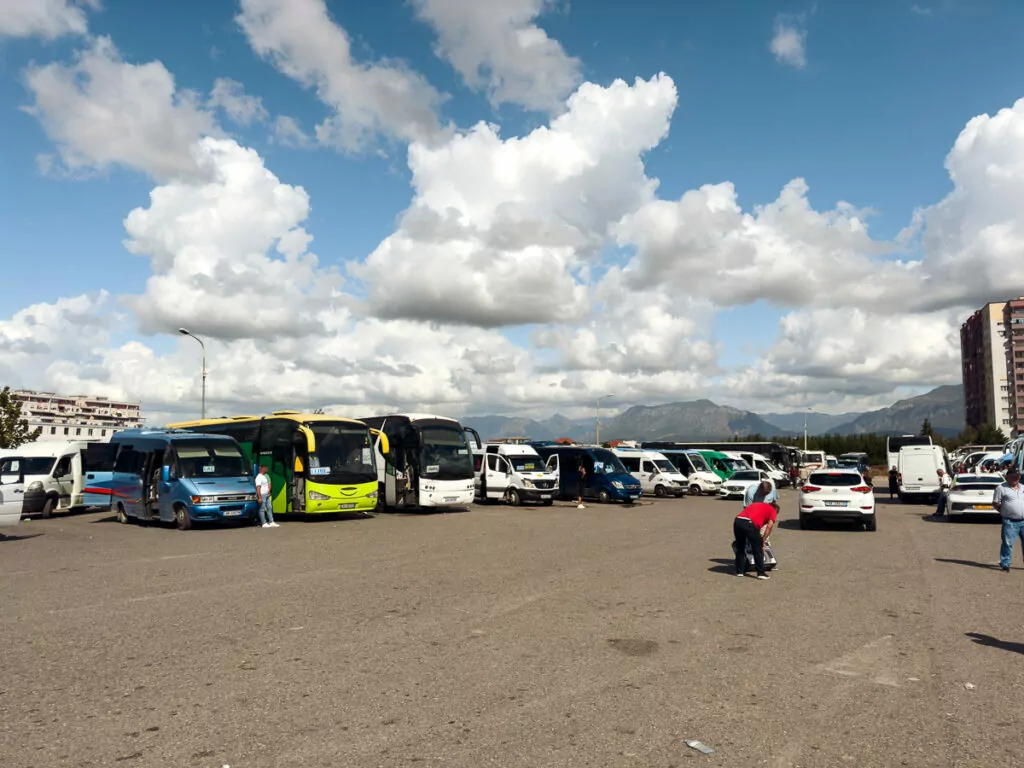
[
  {"x": 513, "y": 473},
  {"x": 54, "y": 481},
  {"x": 657, "y": 475},
  {"x": 757, "y": 461},
  {"x": 918, "y": 467},
  {"x": 12, "y": 489}
]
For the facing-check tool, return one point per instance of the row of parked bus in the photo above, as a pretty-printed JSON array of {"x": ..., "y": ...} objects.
[{"x": 319, "y": 464}]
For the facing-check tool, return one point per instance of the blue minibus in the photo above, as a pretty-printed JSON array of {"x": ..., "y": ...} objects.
[
  {"x": 170, "y": 475},
  {"x": 607, "y": 478}
]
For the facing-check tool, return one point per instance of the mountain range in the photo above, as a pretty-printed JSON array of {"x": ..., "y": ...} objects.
[{"x": 705, "y": 420}]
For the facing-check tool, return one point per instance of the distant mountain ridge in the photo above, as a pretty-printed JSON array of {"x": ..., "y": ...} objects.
[{"x": 704, "y": 420}]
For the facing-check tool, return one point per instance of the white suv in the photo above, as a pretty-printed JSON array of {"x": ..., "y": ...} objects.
[{"x": 837, "y": 494}]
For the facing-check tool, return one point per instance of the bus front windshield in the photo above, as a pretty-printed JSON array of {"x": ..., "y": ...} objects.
[
  {"x": 699, "y": 465},
  {"x": 202, "y": 460},
  {"x": 446, "y": 454},
  {"x": 608, "y": 463},
  {"x": 343, "y": 455},
  {"x": 666, "y": 466}
]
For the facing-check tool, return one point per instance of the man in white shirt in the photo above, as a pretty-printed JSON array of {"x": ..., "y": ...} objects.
[
  {"x": 263, "y": 499},
  {"x": 945, "y": 481}
]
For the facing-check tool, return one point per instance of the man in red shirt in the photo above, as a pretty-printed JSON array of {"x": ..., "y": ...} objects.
[{"x": 747, "y": 527}]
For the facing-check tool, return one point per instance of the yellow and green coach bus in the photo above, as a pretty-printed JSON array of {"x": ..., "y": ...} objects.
[{"x": 318, "y": 464}]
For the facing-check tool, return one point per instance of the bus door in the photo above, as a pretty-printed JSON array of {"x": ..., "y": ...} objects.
[
  {"x": 98, "y": 466},
  {"x": 127, "y": 484},
  {"x": 552, "y": 465},
  {"x": 498, "y": 473}
]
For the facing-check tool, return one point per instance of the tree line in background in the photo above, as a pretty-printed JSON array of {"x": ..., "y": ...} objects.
[
  {"x": 874, "y": 445},
  {"x": 14, "y": 430}
]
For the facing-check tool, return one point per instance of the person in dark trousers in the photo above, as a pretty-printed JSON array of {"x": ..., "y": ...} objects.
[
  {"x": 1009, "y": 500},
  {"x": 581, "y": 486},
  {"x": 747, "y": 527},
  {"x": 894, "y": 483}
]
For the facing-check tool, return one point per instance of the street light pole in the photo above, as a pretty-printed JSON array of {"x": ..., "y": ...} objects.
[
  {"x": 597, "y": 418},
  {"x": 186, "y": 332}
]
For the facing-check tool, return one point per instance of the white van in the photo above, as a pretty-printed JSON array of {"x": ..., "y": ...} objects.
[
  {"x": 759, "y": 462},
  {"x": 694, "y": 467},
  {"x": 514, "y": 473},
  {"x": 12, "y": 490},
  {"x": 918, "y": 467},
  {"x": 54, "y": 481},
  {"x": 657, "y": 475}
]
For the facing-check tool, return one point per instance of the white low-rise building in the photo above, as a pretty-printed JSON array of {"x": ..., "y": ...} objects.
[{"x": 76, "y": 417}]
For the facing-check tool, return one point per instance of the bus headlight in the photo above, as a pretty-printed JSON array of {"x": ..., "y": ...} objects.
[
  {"x": 527, "y": 483},
  {"x": 204, "y": 499},
  {"x": 317, "y": 496},
  {"x": 372, "y": 495},
  {"x": 616, "y": 484}
]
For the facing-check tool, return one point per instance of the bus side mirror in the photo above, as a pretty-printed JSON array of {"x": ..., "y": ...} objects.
[{"x": 165, "y": 474}]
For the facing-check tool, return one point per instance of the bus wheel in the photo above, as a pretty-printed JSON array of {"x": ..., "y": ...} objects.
[
  {"x": 122, "y": 516},
  {"x": 695, "y": 490},
  {"x": 513, "y": 497},
  {"x": 659, "y": 491},
  {"x": 604, "y": 497},
  {"x": 48, "y": 508},
  {"x": 181, "y": 518}
]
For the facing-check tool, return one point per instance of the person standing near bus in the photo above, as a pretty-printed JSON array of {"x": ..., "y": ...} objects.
[
  {"x": 582, "y": 485},
  {"x": 263, "y": 498}
]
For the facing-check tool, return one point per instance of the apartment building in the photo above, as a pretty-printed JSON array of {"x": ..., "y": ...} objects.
[
  {"x": 984, "y": 355},
  {"x": 1013, "y": 321},
  {"x": 76, "y": 417}
]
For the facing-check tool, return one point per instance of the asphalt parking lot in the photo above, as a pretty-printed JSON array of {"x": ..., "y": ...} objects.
[{"x": 509, "y": 637}]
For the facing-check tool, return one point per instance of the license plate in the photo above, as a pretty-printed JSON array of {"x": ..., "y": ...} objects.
[
  {"x": 346, "y": 506},
  {"x": 450, "y": 499},
  {"x": 912, "y": 487},
  {"x": 983, "y": 506},
  {"x": 233, "y": 513},
  {"x": 544, "y": 496},
  {"x": 836, "y": 503}
]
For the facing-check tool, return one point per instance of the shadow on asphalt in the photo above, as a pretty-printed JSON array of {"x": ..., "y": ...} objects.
[
  {"x": 728, "y": 567},
  {"x": 971, "y": 519},
  {"x": 993, "y": 642},
  {"x": 5, "y": 537},
  {"x": 819, "y": 525},
  {"x": 971, "y": 563}
]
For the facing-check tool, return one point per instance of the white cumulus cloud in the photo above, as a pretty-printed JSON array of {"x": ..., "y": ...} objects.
[
  {"x": 48, "y": 19},
  {"x": 495, "y": 45},
  {"x": 241, "y": 107},
  {"x": 102, "y": 111},
  {"x": 368, "y": 98},
  {"x": 789, "y": 43}
]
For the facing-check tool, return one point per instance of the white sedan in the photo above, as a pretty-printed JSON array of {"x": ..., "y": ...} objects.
[
  {"x": 971, "y": 493},
  {"x": 837, "y": 494},
  {"x": 12, "y": 490},
  {"x": 739, "y": 481}
]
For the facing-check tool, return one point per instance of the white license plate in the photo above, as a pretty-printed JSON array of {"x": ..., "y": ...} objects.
[
  {"x": 346, "y": 506},
  {"x": 544, "y": 496},
  {"x": 233, "y": 513},
  {"x": 450, "y": 499},
  {"x": 836, "y": 503},
  {"x": 912, "y": 487}
]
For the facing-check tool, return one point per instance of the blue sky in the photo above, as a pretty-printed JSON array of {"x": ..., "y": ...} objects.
[{"x": 886, "y": 88}]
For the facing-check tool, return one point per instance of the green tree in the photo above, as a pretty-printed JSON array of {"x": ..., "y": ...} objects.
[
  {"x": 14, "y": 429},
  {"x": 927, "y": 430},
  {"x": 990, "y": 435}
]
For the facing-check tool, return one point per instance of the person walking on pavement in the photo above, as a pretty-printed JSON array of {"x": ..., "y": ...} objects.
[
  {"x": 894, "y": 483},
  {"x": 944, "y": 484},
  {"x": 1009, "y": 500},
  {"x": 263, "y": 499},
  {"x": 763, "y": 491},
  {"x": 581, "y": 486},
  {"x": 747, "y": 527}
]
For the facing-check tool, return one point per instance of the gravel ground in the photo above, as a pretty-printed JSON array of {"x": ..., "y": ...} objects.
[{"x": 509, "y": 637}]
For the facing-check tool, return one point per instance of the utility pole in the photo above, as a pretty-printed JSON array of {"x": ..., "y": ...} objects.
[
  {"x": 186, "y": 332},
  {"x": 597, "y": 418}
]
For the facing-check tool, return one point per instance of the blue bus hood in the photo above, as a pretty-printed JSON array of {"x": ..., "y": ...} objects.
[
  {"x": 196, "y": 486},
  {"x": 628, "y": 481}
]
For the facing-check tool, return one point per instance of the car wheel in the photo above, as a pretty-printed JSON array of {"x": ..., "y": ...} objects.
[
  {"x": 659, "y": 491},
  {"x": 695, "y": 489},
  {"x": 603, "y": 496},
  {"x": 48, "y": 508},
  {"x": 122, "y": 516},
  {"x": 513, "y": 497},
  {"x": 181, "y": 518},
  {"x": 872, "y": 524}
]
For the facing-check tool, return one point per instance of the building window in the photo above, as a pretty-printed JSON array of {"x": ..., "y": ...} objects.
[
  {"x": 65, "y": 430},
  {"x": 78, "y": 430},
  {"x": 103, "y": 433},
  {"x": 90, "y": 433},
  {"x": 53, "y": 430}
]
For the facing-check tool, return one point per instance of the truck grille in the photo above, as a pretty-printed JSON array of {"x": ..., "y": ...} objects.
[{"x": 544, "y": 484}]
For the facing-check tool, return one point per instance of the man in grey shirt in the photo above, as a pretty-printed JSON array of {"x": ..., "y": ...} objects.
[{"x": 1009, "y": 500}]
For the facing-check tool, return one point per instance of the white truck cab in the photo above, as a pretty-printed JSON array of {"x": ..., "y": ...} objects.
[
  {"x": 657, "y": 475},
  {"x": 54, "y": 481},
  {"x": 513, "y": 473},
  {"x": 757, "y": 461}
]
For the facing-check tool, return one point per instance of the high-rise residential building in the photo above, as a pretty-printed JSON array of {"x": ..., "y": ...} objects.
[
  {"x": 76, "y": 417},
  {"x": 983, "y": 355},
  {"x": 1013, "y": 321}
]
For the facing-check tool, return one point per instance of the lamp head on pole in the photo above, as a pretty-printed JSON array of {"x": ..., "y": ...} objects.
[{"x": 184, "y": 332}]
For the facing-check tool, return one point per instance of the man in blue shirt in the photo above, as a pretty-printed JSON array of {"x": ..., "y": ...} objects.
[
  {"x": 763, "y": 491},
  {"x": 1009, "y": 500}
]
